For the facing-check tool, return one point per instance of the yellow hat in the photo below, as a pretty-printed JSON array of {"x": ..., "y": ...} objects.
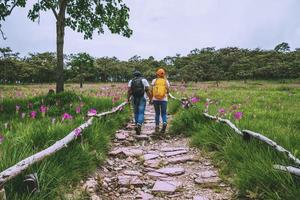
[{"x": 160, "y": 72}]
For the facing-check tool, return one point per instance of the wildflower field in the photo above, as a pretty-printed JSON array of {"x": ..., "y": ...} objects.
[
  {"x": 32, "y": 120},
  {"x": 269, "y": 108}
]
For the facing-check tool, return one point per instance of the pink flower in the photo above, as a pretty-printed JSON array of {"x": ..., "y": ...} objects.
[
  {"x": 206, "y": 104},
  {"x": 92, "y": 112},
  {"x": 66, "y": 116},
  {"x": 18, "y": 108},
  {"x": 77, "y": 132},
  {"x": 78, "y": 110},
  {"x": 195, "y": 99},
  {"x": 18, "y": 93},
  {"x": 221, "y": 111},
  {"x": 238, "y": 115},
  {"x": 43, "y": 109},
  {"x": 33, "y": 114},
  {"x": 1, "y": 138}
]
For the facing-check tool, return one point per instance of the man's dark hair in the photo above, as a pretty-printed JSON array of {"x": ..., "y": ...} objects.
[{"x": 136, "y": 73}]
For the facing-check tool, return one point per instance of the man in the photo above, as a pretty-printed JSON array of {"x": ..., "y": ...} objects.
[
  {"x": 138, "y": 89},
  {"x": 160, "y": 91}
]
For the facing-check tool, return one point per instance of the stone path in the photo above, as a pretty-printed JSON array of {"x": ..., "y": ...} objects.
[{"x": 140, "y": 167}]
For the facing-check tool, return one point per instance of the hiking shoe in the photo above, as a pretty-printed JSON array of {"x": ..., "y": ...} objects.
[
  {"x": 156, "y": 129},
  {"x": 138, "y": 129},
  {"x": 163, "y": 130}
]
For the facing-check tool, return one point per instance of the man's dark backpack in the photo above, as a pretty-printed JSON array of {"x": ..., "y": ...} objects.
[{"x": 137, "y": 87}]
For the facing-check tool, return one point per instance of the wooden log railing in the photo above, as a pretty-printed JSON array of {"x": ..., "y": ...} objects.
[
  {"x": 248, "y": 134},
  {"x": 289, "y": 169},
  {"x": 18, "y": 168}
]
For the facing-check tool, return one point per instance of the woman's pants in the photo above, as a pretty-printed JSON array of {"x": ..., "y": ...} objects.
[{"x": 160, "y": 110}]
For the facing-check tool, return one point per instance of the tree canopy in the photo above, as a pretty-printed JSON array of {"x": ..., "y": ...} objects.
[
  {"x": 206, "y": 64},
  {"x": 80, "y": 15}
]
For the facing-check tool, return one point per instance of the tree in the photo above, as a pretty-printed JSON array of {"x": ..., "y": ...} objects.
[
  {"x": 82, "y": 67},
  {"x": 8, "y": 65},
  {"x": 83, "y": 16},
  {"x": 41, "y": 67},
  {"x": 104, "y": 68},
  {"x": 282, "y": 47}
]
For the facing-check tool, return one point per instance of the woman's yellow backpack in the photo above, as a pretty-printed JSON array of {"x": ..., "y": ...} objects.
[{"x": 160, "y": 88}]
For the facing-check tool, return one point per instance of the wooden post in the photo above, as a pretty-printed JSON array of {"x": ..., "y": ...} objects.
[{"x": 2, "y": 194}]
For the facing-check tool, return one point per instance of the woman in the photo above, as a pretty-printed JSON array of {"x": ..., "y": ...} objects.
[{"x": 160, "y": 91}]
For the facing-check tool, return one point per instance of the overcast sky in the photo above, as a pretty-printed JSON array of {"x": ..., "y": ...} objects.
[{"x": 166, "y": 27}]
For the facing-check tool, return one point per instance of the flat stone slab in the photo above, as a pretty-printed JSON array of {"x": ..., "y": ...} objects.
[
  {"x": 126, "y": 151},
  {"x": 168, "y": 178},
  {"x": 126, "y": 181},
  {"x": 130, "y": 126},
  {"x": 200, "y": 180},
  {"x": 144, "y": 196},
  {"x": 207, "y": 174},
  {"x": 142, "y": 137},
  {"x": 150, "y": 156},
  {"x": 132, "y": 152},
  {"x": 132, "y": 173},
  {"x": 181, "y": 159},
  {"x": 166, "y": 186},
  {"x": 95, "y": 197},
  {"x": 175, "y": 153},
  {"x": 121, "y": 135},
  {"x": 91, "y": 185},
  {"x": 172, "y": 171},
  {"x": 198, "y": 197},
  {"x": 152, "y": 163},
  {"x": 166, "y": 149},
  {"x": 115, "y": 152},
  {"x": 156, "y": 174},
  {"x": 148, "y": 132}
]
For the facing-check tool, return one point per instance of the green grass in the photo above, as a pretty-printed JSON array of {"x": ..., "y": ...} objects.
[
  {"x": 270, "y": 109},
  {"x": 61, "y": 172},
  {"x": 173, "y": 106}
]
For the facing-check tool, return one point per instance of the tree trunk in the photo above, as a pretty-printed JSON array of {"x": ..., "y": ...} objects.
[
  {"x": 81, "y": 83},
  {"x": 60, "y": 34}
]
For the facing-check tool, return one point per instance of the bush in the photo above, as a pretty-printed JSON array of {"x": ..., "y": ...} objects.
[{"x": 62, "y": 99}]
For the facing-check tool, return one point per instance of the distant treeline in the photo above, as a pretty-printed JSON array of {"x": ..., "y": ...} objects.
[{"x": 205, "y": 64}]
